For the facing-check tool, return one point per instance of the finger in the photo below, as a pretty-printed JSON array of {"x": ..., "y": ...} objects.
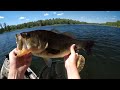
[
  {"x": 76, "y": 54},
  {"x": 13, "y": 52},
  {"x": 28, "y": 59},
  {"x": 65, "y": 57},
  {"x": 28, "y": 55},
  {"x": 72, "y": 49}
]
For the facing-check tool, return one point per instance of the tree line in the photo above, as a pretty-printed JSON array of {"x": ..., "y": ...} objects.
[
  {"x": 7, "y": 28},
  {"x": 115, "y": 24}
]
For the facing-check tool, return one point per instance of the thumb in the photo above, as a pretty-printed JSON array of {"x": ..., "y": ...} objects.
[
  {"x": 72, "y": 49},
  {"x": 15, "y": 51}
]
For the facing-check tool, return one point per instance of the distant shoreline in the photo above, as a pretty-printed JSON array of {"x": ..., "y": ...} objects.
[
  {"x": 63, "y": 24},
  {"x": 52, "y": 22},
  {"x": 57, "y": 21}
]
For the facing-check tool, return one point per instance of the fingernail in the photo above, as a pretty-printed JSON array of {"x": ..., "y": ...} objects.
[{"x": 73, "y": 44}]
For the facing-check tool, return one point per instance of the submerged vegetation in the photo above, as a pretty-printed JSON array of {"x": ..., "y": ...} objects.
[{"x": 7, "y": 28}]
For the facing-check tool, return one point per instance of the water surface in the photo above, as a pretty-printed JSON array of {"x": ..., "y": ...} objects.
[{"x": 104, "y": 63}]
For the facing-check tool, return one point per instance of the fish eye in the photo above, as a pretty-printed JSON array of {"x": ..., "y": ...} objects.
[{"x": 27, "y": 35}]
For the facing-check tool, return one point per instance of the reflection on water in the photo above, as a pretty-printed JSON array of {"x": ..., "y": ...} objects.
[{"x": 103, "y": 63}]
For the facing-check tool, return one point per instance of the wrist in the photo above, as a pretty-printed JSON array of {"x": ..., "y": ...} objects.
[
  {"x": 72, "y": 72},
  {"x": 70, "y": 66}
]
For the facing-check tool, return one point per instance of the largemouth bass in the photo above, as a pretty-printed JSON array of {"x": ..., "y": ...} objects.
[{"x": 50, "y": 44}]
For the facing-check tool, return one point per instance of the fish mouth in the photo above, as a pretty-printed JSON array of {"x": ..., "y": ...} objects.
[
  {"x": 21, "y": 42},
  {"x": 21, "y": 46},
  {"x": 25, "y": 46}
]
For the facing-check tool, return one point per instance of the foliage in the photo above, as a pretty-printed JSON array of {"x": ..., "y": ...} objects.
[
  {"x": 116, "y": 24},
  {"x": 6, "y": 28}
]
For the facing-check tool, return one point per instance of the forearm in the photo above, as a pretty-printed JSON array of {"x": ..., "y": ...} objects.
[
  {"x": 72, "y": 73},
  {"x": 14, "y": 74}
]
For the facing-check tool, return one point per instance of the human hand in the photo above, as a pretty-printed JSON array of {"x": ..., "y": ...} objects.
[
  {"x": 18, "y": 65},
  {"x": 71, "y": 60},
  {"x": 71, "y": 64}
]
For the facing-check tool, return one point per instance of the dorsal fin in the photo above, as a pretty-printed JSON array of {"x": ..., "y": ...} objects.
[
  {"x": 64, "y": 33},
  {"x": 69, "y": 34},
  {"x": 55, "y": 31}
]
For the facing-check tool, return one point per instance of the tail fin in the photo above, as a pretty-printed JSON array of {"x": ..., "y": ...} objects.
[{"x": 87, "y": 45}]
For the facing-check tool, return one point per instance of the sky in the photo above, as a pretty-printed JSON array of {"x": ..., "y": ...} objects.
[{"x": 18, "y": 17}]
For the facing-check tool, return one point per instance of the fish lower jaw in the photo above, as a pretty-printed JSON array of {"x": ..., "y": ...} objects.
[{"x": 23, "y": 52}]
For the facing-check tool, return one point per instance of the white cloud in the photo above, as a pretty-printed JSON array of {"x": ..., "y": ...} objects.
[
  {"x": 22, "y": 18},
  {"x": 1, "y": 17},
  {"x": 107, "y": 11},
  {"x": 27, "y": 19},
  {"x": 82, "y": 17},
  {"x": 54, "y": 12},
  {"x": 46, "y": 14},
  {"x": 60, "y": 14},
  {"x": 113, "y": 18}
]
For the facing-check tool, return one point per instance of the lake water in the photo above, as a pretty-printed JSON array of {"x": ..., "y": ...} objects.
[{"x": 104, "y": 63}]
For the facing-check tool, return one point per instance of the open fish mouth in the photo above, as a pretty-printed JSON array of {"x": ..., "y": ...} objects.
[
  {"x": 21, "y": 46},
  {"x": 23, "y": 51}
]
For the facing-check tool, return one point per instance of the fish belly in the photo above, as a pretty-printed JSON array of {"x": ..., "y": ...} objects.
[{"x": 49, "y": 55}]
